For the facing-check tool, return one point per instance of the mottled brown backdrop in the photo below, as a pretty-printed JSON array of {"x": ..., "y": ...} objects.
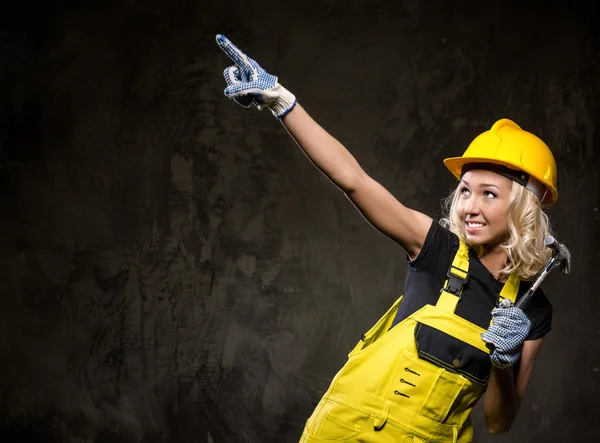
[{"x": 175, "y": 270}]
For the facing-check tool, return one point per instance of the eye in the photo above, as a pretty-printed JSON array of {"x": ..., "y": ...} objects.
[
  {"x": 464, "y": 191},
  {"x": 489, "y": 194}
]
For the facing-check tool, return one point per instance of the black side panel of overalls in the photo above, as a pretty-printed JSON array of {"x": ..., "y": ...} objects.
[{"x": 453, "y": 354}]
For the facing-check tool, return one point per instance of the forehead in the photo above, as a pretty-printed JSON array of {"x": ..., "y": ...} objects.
[{"x": 477, "y": 177}]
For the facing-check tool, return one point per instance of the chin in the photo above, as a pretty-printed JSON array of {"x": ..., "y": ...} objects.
[
  {"x": 485, "y": 242},
  {"x": 476, "y": 240},
  {"x": 473, "y": 243}
]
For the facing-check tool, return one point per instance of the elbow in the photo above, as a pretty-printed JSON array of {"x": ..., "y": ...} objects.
[
  {"x": 499, "y": 424},
  {"x": 499, "y": 428},
  {"x": 349, "y": 181}
]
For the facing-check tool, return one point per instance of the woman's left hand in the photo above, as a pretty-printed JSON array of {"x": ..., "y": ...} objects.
[{"x": 509, "y": 329}]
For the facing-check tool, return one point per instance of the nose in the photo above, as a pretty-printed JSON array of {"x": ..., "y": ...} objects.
[{"x": 472, "y": 206}]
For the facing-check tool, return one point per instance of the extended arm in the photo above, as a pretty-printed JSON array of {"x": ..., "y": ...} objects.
[
  {"x": 405, "y": 226},
  {"x": 250, "y": 85}
]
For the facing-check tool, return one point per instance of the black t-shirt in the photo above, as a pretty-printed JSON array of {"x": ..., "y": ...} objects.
[{"x": 427, "y": 274}]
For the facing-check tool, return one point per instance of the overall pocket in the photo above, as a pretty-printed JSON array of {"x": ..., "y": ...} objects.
[
  {"x": 426, "y": 388},
  {"x": 449, "y": 352},
  {"x": 337, "y": 422}
]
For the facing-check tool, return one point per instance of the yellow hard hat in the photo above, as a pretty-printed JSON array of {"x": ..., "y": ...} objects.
[{"x": 513, "y": 150}]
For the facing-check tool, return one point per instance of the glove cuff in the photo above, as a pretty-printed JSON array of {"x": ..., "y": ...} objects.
[
  {"x": 501, "y": 364},
  {"x": 284, "y": 101}
]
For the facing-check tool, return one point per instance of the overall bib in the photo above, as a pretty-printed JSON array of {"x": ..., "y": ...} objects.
[{"x": 415, "y": 382}]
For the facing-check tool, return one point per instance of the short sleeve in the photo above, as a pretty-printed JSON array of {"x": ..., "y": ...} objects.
[
  {"x": 438, "y": 242},
  {"x": 539, "y": 310}
]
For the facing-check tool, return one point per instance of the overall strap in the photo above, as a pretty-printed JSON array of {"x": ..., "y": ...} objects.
[
  {"x": 511, "y": 288},
  {"x": 457, "y": 277}
]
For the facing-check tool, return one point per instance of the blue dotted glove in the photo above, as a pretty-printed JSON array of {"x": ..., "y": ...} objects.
[
  {"x": 509, "y": 329},
  {"x": 250, "y": 85}
]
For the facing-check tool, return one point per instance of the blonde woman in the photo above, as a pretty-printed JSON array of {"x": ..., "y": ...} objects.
[{"x": 455, "y": 333}]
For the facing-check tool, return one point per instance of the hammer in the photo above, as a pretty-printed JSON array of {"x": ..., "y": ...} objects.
[{"x": 561, "y": 256}]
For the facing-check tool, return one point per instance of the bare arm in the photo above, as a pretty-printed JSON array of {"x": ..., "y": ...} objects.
[
  {"x": 506, "y": 390},
  {"x": 405, "y": 226}
]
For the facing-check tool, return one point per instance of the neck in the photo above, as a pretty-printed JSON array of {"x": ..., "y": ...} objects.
[{"x": 494, "y": 260}]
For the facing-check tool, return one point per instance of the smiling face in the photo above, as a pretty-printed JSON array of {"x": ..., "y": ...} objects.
[{"x": 482, "y": 206}]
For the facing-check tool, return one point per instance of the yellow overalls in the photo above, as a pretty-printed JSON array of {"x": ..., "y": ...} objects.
[{"x": 416, "y": 382}]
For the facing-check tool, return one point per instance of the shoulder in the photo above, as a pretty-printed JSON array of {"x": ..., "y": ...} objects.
[{"x": 438, "y": 243}]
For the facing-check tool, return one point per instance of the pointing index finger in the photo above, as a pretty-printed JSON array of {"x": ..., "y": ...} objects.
[{"x": 234, "y": 53}]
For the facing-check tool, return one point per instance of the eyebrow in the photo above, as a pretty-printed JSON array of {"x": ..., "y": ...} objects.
[{"x": 482, "y": 185}]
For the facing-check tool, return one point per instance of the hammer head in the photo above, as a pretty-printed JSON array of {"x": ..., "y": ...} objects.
[{"x": 562, "y": 254}]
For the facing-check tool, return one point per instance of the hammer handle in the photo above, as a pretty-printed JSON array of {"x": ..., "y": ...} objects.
[{"x": 536, "y": 284}]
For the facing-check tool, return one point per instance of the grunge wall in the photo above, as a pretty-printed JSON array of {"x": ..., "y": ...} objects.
[{"x": 175, "y": 270}]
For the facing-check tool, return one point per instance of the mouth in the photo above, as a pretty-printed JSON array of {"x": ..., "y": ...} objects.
[{"x": 473, "y": 227}]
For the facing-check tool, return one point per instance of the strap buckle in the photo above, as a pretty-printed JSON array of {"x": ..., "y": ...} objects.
[{"x": 455, "y": 282}]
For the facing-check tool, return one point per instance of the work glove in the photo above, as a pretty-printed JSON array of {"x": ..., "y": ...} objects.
[
  {"x": 250, "y": 85},
  {"x": 509, "y": 329}
]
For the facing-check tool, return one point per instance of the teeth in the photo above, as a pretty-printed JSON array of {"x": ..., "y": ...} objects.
[{"x": 475, "y": 225}]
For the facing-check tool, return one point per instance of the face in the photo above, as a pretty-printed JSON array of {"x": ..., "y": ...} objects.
[{"x": 482, "y": 206}]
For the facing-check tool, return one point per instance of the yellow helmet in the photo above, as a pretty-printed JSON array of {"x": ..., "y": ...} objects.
[{"x": 508, "y": 147}]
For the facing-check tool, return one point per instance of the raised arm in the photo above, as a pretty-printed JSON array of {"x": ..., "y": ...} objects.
[
  {"x": 250, "y": 85},
  {"x": 404, "y": 225}
]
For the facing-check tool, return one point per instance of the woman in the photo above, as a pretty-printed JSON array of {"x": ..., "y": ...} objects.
[{"x": 455, "y": 333}]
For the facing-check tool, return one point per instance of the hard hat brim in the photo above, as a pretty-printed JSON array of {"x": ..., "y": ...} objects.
[{"x": 455, "y": 165}]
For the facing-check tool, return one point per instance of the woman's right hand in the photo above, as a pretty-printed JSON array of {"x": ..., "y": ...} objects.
[{"x": 250, "y": 85}]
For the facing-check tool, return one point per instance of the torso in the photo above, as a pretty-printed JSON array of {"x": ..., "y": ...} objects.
[{"x": 427, "y": 273}]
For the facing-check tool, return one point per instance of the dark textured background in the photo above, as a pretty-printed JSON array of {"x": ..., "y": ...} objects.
[{"x": 175, "y": 270}]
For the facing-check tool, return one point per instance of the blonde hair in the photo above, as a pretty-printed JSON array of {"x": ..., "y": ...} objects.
[{"x": 528, "y": 226}]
